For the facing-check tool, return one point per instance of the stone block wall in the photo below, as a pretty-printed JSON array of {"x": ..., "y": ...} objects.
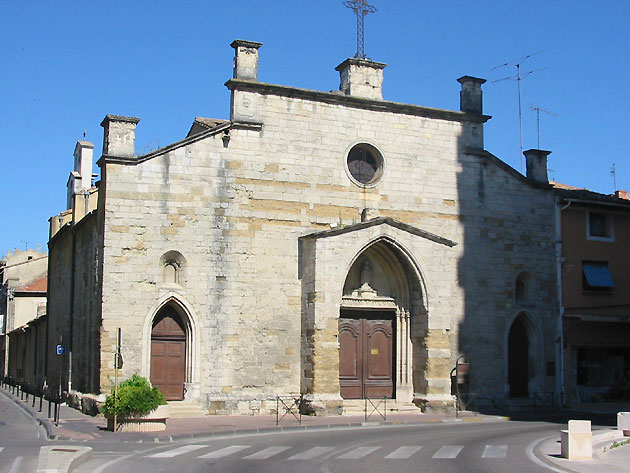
[{"x": 235, "y": 212}]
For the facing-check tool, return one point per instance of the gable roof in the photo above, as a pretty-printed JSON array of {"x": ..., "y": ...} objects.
[
  {"x": 382, "y": 221},
  {"x": 202, "y": 124},
  {"x": 585, "y": 196},
  {"x": 36, "y": 285}
]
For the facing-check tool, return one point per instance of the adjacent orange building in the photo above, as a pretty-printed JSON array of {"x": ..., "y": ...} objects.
[{"x": 594, "y": 261}]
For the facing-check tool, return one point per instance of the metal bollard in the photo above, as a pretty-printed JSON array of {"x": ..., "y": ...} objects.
[{"x": 58, "y": 413}]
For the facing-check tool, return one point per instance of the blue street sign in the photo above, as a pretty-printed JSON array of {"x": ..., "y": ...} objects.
[{"x": 61, "y": 349}]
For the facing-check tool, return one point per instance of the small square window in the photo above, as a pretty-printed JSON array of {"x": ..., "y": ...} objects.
[{"x": 600, "y": 226}]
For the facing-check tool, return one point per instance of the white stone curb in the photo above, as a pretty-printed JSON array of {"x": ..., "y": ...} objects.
[{"x": 61, "y": 458}]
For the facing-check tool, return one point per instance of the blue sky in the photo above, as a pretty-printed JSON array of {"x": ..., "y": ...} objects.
[{"x": 64, "y": 65}]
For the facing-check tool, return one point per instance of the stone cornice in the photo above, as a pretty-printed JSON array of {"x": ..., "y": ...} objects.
[
  {"x": 119, "y": 118},
  {"x": 383, "y": 221},
  {"x": 351, "y": 101},
  {"x": 353, "y": 61},
  {"x": 108, "y": 159},
  {"x": 245, "y": 44},
  {"x": 349, "y": 302}
]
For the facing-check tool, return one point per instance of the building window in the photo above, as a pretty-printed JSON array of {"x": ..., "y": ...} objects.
[
  {"x": 364, "y": 164},
  {"x": 596, "y": 276},
  {"x": 173, "y": 266},
  {"x": 522, "y": 289},
  {"x": 599, "y": 226},
  {"x": 171, "y": 273}
]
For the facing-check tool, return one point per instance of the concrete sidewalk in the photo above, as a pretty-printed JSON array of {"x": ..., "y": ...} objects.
[
  {"x": 75, "y": 426},
  {"x": 610, "y": 454}
]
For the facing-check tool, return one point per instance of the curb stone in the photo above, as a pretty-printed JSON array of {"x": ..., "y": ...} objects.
[{"x": 61, "y": 458}]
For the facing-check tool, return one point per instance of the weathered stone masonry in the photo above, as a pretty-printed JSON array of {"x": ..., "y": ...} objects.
[{"x": 259, "y": 233}]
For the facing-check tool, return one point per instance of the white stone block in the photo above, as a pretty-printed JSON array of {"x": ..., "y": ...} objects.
[
  {"x": 623, "y": 423},
  {"x": 576, "y": 443}
]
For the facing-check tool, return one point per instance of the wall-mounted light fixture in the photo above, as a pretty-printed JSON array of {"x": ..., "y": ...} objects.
[{"x": 226, "y": 138}]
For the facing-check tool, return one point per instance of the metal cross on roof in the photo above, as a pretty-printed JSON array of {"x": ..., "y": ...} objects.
[{"x": 360, "y": 8}]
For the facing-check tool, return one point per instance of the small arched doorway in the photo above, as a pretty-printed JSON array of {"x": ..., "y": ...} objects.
[
  {"x": 518, "y": 358},
  {"x": 168, "y": 353}
]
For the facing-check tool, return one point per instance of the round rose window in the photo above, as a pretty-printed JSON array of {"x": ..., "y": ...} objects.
[{"x": 365, "y": 164}]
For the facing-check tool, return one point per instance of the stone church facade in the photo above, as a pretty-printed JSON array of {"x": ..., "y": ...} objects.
[{"x": 332, "y": 244}]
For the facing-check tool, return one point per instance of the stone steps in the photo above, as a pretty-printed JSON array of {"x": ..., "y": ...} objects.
[
  {"x": 357, "y": 407},
  {"x": 181, "y": 409}
]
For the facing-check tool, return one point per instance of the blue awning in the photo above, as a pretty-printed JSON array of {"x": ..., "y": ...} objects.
[{"x": 598, "y": 275}]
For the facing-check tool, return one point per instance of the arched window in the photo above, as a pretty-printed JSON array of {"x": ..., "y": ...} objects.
[
  {"x": 522, "y": 289},
  {"x": 170, "y": 275},
  {"x": 173, "y": 266}
]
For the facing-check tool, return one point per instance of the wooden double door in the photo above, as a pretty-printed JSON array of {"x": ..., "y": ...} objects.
[
  {"x": 168, "y": 355},
  {"x": 366, "y": 354}
]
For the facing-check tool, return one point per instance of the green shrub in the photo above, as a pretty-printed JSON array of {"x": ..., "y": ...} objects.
[{"x": 135, "y": 398}]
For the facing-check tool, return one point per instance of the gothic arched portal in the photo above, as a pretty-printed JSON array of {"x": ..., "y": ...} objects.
[
  {"x": 518, "y": 358},
  {"x": 168, "y": 353},
  {"x": 382, "y": 321}
]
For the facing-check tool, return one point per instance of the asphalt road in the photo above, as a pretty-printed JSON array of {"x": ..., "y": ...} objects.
[
  {"x": 431, "y": 448},
  {"x": 20, "y": 439}
]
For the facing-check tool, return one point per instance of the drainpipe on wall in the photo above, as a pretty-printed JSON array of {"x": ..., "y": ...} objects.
[{"x": 560, "y": 382}]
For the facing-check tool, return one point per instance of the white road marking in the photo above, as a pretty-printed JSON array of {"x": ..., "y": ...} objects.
[
  {"x": 176, "y": 451},
  {"x": 535, "y": 459},
  {"x": 358, "y": 452},
  {"x": 1, "y": 448},
  {"x": 494, "y": 451},
  {"x": 16, "y": 466},
  {"x": 266, "y": 453},
  {"x": 448, "y": 451},
  {"x": 224, "y": 452},
  {"x": 312, "y": 453},
  {"x": 403, "y": 452}
]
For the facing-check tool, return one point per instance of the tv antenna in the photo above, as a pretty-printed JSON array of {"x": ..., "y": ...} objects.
[
  {"x": 360, "y": 8},
  {"x": 518, "y": 77},
  {"x": 538, "y": 110},
  {"x": 613, "y": 172}
]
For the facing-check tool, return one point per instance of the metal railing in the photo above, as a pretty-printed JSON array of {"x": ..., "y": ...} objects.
[
  {"x": 28, "y": 393},
  {"x": 544, "y": 401},
  {"x": 286, "y": 405},
  {"x": 375, "y": 404},
  {"x": 466, "y": 401}
]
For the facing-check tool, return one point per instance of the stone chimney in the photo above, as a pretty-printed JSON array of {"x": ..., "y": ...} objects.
[
  {"x": 470, "y": 101},
  {"x": 536, "y": 160},
  {"x": 80, "y": 180},
  {"x": 361, "y": 78},
  {"x": 470, "y": 97},
  {"x": 245, "y": 59},
  {"x": 119, "y": 136},
  {"x": 621, "y": 194}
]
